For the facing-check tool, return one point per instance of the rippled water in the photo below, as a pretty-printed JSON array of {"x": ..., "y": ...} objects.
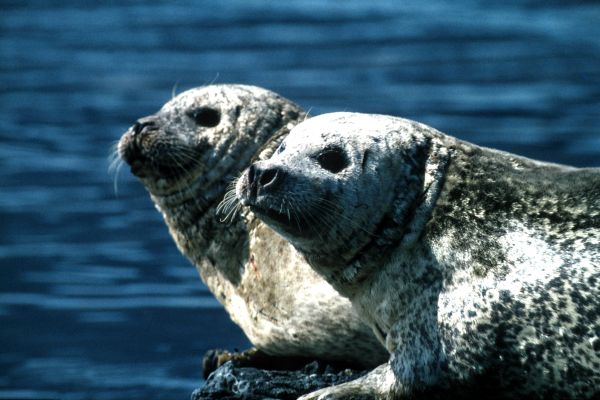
[{"x": 95, "y": 300}]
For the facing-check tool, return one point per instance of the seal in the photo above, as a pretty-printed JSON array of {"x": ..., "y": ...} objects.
[
  {"x": 478, "y": 269},
  {"x": 186, "y": 155}
]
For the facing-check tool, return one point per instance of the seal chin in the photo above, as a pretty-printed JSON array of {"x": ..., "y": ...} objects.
[{"x": 282, "y": 219}]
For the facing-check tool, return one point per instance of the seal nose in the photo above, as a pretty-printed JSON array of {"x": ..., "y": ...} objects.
[
  {"x": 144, "y": 124},
  {"x": 132, "y": 150},
  {"x": 263, "y": 179}
]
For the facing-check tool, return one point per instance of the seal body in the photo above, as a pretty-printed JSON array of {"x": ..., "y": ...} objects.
[
  {"x": 186, "y": 155},
  {"x": 479, "y": 270}
]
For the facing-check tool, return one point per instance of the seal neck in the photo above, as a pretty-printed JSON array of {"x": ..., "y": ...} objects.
[
  {"x": 194, "y": 224},
  {"x": 401, "y": 227}
]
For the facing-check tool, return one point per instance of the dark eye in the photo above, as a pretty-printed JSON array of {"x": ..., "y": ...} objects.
[
  {"x": 333, "y": 159},
  {"x": 205, "y": 116}
]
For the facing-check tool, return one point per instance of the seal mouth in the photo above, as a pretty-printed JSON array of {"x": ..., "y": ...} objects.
[
  {"x": 280, "y": 218},
  {"x": 293, "y": 223}
]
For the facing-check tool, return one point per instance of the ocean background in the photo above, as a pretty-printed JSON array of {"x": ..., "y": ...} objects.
[{"x": 95, "y": 300}]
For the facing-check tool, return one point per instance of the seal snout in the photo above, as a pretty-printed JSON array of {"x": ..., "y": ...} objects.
[
  {"x": 264, "y": 180},
  {"x": 131, "y": 141},
  {"x": 144, "y": 125},
  {"x": 258, "y": 180},
  {"x": 136, "y": 143}
]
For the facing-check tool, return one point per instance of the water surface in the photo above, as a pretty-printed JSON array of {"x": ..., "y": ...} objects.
[{"x": 95, "y": 300}]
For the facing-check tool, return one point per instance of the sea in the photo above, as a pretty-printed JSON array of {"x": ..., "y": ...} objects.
[{"x": 96, "y": 302}]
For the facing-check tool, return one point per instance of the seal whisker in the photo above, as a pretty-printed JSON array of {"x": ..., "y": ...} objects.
[
  {"x": 351, "y": 222},
  {"x": 329, "y": 216},
  {"x": 282, "y": 206},
  {"x": 307, "y": 115},
  {"x": 228, "y": 199},
  {"x": 182, "y": 157},
  {"x": 229, "y": 211},
  {"x": 327, "y": 205},
  {"x": 324, "y": 216},
  {"x": 213, "y": 80},
  {"x": 115, "y": 165},
  {"x": 190, "y": 153},
  {"x": 228, "y": 207},
  {"x": 313, "y": 221},
  {"x": 174, "y": 89},
  {"x": 294, "y": 212},
  {"x": 232, "y": 213},
  {"x": 113, "y": 156},
  {"x": 175, "y": 158},
  {"x": 287, "y": 209},
  {"x": 117, "y": 170}
]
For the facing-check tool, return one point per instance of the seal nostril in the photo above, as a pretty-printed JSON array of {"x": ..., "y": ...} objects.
[
  {"x": 137, "y": 128},
  {"x": 143, "y": 123},
  {"x": 268, "y": 177}
]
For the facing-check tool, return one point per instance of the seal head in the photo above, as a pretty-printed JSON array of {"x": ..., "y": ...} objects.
[
  {"x": 319, "y": 188},
  {"x": 202, "y": 135}
]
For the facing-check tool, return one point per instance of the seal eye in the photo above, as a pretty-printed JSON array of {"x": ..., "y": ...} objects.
[
  {"x": 205, "y": 116},
  {"x": 333, "y": 159}
]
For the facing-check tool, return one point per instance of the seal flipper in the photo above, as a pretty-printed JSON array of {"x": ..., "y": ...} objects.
[{"x": 379, "y": 384}]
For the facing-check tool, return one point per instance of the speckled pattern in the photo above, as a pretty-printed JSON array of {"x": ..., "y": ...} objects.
[
  {"x": 485, "y": 278},
  {"x": 186, "y": 155}
]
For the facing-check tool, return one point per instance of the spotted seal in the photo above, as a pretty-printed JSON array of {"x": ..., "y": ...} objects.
[
  {"x": 186, "y": 155},
  {"x": 478, "y": 269}
]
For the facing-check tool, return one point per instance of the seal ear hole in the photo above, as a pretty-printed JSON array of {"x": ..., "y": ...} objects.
[
  {"x": 333, "y": 159},
  {"x": 205, "y": 116}
]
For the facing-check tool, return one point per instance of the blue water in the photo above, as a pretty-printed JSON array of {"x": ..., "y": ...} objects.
[{"x": 95, "y": 300}]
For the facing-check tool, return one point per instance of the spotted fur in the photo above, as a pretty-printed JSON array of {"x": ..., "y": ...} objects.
[{"x": 479, "y": 270}]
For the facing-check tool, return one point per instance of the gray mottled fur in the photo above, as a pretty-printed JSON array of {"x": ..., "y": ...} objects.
[
  {"x": 268, "y": 290},
  {"x": 479, "y": 270}
]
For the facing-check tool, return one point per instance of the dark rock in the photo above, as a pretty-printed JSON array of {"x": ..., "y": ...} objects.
[
  {"x": 230, "y": 381},
  {"x": 253, "y": 357}
]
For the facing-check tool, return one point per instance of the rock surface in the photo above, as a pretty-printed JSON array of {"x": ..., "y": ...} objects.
[{"x": 239, "y": 382}]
